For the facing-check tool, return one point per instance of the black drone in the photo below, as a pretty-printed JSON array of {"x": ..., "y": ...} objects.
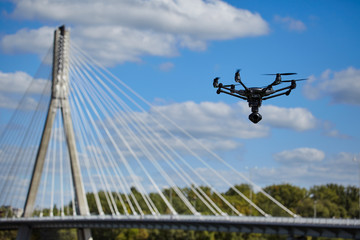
[{"x": 255, "y": 95}]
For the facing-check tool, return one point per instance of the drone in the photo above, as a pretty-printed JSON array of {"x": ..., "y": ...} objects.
[{"x": 255, "y": 95}]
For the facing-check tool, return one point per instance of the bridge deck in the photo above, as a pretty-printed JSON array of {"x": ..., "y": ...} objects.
[{"x": 317, "y": 227}]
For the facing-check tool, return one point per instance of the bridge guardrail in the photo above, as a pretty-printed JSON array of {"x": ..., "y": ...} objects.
[{"x": 191, "y": 218}]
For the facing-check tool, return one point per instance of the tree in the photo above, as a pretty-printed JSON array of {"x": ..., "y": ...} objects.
[{"x": 288, "y": 195}]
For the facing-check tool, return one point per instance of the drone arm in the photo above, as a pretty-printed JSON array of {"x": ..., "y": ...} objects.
[
  {"x": 291, "y": 87},
  {"x": 282, "y": 89},
  {"x": 276, "y": 95},
  {"x": 242, "y": 84},
  {"x": 230, "y": 88},
  {"x": 227, "y": 86},
  {"x": 229, "y": 93},
  {"x": 279, "y": 94}
]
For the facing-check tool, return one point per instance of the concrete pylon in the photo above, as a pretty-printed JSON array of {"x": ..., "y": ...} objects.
[{"x": 59, "y": 100}]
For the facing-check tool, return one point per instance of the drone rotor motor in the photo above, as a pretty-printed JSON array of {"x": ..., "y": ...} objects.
[
  {"x": 237, "y": 76},
  {"x": 216, "y": 82}
]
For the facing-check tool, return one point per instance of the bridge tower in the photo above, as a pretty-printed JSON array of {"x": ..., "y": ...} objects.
[{"x": 59, "y": 100}]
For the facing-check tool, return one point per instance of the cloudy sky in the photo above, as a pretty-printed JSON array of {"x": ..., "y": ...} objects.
[{"x": 169, "y": 51}]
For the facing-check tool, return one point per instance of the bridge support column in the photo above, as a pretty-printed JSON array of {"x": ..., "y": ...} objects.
[
  {"x": 84, "y": 234},
  {"x": 24, "y": 233},
  {"x": 59, "y": 100}
]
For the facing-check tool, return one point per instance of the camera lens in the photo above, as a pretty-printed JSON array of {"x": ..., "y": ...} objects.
[{"x": 255, "y": 117}]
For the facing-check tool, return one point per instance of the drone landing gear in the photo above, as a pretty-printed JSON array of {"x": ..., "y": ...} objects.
[{"x": 255, "y": 116}]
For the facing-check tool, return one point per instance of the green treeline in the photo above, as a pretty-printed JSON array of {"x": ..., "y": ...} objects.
[{"x": 324, "y": 201}]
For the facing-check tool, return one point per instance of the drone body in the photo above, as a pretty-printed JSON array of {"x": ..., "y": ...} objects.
[{"x": 255, "y": 95}]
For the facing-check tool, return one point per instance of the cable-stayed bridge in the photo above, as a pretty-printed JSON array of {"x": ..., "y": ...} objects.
[{"x": 88, "y": 138}]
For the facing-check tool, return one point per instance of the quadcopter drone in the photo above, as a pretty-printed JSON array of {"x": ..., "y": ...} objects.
[{"x": 255, "y": 95}]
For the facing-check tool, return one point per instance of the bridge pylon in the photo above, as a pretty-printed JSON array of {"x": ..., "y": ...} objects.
[{"x": 59, "y": 100}]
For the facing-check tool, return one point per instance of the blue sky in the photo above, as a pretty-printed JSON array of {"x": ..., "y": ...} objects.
[{"x": 169, "y": 52}]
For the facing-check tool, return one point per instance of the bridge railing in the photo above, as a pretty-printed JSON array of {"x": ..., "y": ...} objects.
[{"x": 201, "y": 218}]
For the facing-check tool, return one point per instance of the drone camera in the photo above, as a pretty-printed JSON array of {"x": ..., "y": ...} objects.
[{"x": 255, "y": 117}]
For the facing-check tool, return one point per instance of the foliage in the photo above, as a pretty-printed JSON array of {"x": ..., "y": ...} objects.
[
  {"x": 328, "y": 201},
  {"x": 7, "y": 235},
  {"x": 55, "y": 234}
]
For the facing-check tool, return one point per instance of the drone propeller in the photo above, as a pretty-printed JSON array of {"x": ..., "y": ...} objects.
[
  {"x": 296, "y": 80},
  {"x": 278, "y": 77},
  {"x": 280, "y": 74}
]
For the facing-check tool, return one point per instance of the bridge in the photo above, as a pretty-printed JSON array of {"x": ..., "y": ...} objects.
[
  {"x": 332, "y": 228},
  {"x": 101, "y": 140}
]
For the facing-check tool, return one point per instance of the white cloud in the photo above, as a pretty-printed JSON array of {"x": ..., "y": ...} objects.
[
  {"x": 329, "y": 130},
  {"x": 317, "y": 169},
  {"x": 221, "y": 126},
  {"x": 7, "y": 102},
  {"x": 117, "y": 31},
  {"x": 19, "y": 81},
  {"x": 166, "y": 66},
  {"x": 116, "y": 44},
  {"x": 290, "y": 23},
  {"x": 216, "y": 120},
  {"x": 221, "y": 119},
  {"x": 299, "y": 156},
  {"x": 299, "y": 119},
  {"x": 14, "y": 85},
  {"x": 217, "y": 126},
  {"x": 341, "y": 87},
  {"x": 25, "y": 40},
  {"x": 202, "y": 19}
]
